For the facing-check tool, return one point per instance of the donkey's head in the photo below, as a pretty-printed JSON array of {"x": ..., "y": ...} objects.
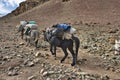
[
  {"x": 47, "y": 35},
  {"x": 19, "y": 28}
]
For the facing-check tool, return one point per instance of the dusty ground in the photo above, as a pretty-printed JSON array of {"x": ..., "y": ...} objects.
[{"x": 18, "y": 62}]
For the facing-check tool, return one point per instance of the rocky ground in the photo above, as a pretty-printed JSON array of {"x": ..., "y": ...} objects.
[{"x": 96, "y": 60}]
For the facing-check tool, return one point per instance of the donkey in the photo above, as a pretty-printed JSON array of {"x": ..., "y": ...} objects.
[
  {"x": 32, "y": 37},
  {"x": 65, "y": 44},
  {"x": 21, "y": 29}
]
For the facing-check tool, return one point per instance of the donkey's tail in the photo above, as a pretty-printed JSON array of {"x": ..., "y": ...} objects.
[
  {"x": 36, "y": 39},
  {"x": 36, "y": 36}
]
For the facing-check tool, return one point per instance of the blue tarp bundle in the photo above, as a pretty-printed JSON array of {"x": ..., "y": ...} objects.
[{"x": 64, "y": 26}]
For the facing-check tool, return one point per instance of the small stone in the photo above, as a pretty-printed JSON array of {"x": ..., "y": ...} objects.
[
  {"x": 1, "y": 62},
  {"x": 4, "y": 59},
  {"x": 82, "y": 73},
  {"x": 17, "y": 46},
  {"x": 7, "y": 58},
  {"x": 31, "y": 78},
  {"x": 117, "y": 71},
  {"x": 12, "y": 73},
  {"x": 62, "y": 65},
  {"x": 37, "y": 54},
  {"x": 20, "y": 51},
  {"x": 36, "y": 60},
  {"x": 113, "y": 31},
  {"x": 69, "y": 78},
  {"x": 45, "y": 74},
  {"x": 6, "y": 47},
  {"x": 105, "y": 77},
  {"x": 10, "y": 68},
  {"x": 19, "y": 56},
  {"x": 79, "y": 70},
  {"x": 48, "y": 79},
  {"x": 42, "y": 70},
  {"x": 43, "y": 65},
  {"x": 46, "y": 57},
  {"x": 31, "y": 64},
  {"x": 25, "y": 62},
  {"x": 60, "y": 77},
  {"x": 51, "y": 72},
  {"x": 21, "y": 43},
  {"x": 85, "y": 47},
  {"x": 47, "y": 54},
  {"x": 65, "y": 0}
]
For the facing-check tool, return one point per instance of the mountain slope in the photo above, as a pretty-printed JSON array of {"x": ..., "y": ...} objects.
[{"x": 56, "y": 11}]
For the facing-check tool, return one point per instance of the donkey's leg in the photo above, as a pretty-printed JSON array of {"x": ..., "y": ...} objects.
[
  {"x": 76, "y": 41},
  {"x": 36, "y": 42},
  {"x": 36, "y": 39},
  {"x": 76, "y": 47},
  {"x": 73, "y": 55},
  {"x": 65, "y": 52},
  {"x": 53, "y": 50},
  {"x": 21, "y": 35},
  {"x": 25, "y": 38},
  {"x": 28, "y": 41}
]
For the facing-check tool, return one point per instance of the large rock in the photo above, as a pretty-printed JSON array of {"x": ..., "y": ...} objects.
[{"x": 25, "y": 6}]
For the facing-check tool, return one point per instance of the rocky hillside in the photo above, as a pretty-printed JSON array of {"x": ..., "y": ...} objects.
[
  {"x": 70, "y": 10},
  {"x": 25, "y": 6}
]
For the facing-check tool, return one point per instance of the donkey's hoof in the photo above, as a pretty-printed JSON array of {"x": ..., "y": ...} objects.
[
  {"x": 61, "y": 61},
  {"x": 55, "y": 58},
  {"x": 53, "y": 54},
  {"x": 72, "y": 64}
]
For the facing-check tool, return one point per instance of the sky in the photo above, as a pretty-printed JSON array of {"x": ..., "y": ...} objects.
[{"x": 6, "y": 6}]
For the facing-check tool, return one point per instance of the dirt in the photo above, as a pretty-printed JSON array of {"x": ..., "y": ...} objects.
[{"x": 93, "y": 64}]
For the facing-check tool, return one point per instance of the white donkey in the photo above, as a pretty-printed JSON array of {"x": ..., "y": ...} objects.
[
  {"x": 117, "y": 47},
  {"x": 31, "y": 34}
]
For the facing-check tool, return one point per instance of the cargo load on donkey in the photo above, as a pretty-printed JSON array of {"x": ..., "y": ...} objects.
[
  {"x": 63, "y": 31},
  {"x": 32, "y": 25},
  {"x": 31, "y": 33},
  {"x": 20, "y": 27},
  {"x": 32, "y": 22}
]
